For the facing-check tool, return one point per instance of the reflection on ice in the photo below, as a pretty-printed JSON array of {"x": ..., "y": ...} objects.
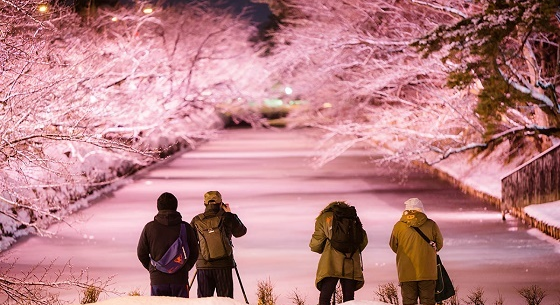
[{"x": 466, "y": 215}]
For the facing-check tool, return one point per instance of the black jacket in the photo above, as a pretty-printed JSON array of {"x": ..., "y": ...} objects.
[
  {"x": 157, "y": 236},
  {"x": 233, "y": 227}
]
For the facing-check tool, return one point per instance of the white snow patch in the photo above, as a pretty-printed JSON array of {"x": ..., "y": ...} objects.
[
  {"x": 152, "y": 300},
  {"x": 548, "y": 213}
]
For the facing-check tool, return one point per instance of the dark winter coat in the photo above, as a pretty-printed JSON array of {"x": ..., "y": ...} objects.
[
  {"x": 416, "y": 259},
  {"x": 157, "y": 236},
  {"x": 332, "y": 262},
  {"x": 233, "y": 228}
]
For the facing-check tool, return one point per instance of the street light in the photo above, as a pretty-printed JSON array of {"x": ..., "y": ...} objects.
[{"x": 43, "y": 8}]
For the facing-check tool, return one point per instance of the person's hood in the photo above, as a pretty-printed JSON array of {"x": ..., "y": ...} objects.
[
  {"x": 168, "y": 217},
  {"x": 329, "y": 207},
  {"x": 414, "y": 218}
]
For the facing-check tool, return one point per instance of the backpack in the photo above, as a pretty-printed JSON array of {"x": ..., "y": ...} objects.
[
  {"x": 212, "y": 239},
  {"x": 347, "y": 231},
  {"x": 176, "y": 256}
]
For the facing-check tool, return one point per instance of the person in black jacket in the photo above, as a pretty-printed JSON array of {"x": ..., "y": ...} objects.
[
  {"x": 157, "y": 236},
  {"x": 216, "y": 275}
]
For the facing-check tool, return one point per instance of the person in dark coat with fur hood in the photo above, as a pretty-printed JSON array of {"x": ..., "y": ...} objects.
[{"x": 156, "y": 238}]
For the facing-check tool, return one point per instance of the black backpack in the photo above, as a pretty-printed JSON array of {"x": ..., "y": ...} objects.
[
  {"x": 347, "y": 230},
  {"x": 176, "y": 256},
  {"x": 212, "y": 239}
]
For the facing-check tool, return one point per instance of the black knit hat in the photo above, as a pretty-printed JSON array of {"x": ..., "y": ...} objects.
[{"x": 167, "y": 201}]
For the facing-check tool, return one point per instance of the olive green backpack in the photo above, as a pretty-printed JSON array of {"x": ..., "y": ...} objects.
[{"x": 213, "y": 241}]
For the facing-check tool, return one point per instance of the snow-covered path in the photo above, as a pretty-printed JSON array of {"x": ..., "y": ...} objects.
[{"x": 266, "y": 177}]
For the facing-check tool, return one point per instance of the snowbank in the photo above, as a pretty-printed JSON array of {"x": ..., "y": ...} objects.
[
  {"x": 149, "y": 300},
  {"x": 144, "y": 300},
  {"x": 482, "y": 176},
  {"x": 104, "y": 172},
  {"x": 548, "y": 213}
]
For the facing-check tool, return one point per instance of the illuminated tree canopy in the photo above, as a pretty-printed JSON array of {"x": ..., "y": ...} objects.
[
  {"x": 488, "y": 73},
  {"x": 416, "y": 80},
  {"x": 90, "y": 94}
]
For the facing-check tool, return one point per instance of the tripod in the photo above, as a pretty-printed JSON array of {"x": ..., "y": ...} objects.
[{"x": 238, "y": 278}]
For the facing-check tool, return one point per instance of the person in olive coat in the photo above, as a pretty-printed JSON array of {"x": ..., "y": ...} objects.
[
  {"x": 416, "y": 258},
  {"x": 156, "y": 238},
  {"x": 335, "y": 266},
  {"x": 216, "y": 276}
]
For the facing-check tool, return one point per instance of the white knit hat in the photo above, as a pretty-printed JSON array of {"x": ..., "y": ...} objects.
[{"x": 414, "y": 204}]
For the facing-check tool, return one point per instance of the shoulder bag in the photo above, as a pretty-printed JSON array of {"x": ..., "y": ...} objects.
[{"x": 444, "y": 286}]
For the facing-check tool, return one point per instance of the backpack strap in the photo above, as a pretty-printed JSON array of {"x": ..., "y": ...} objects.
[
  {"x": 432, "y": 243},
  {"x": 219, "y": 214},
  {"x": 183, "y": 233}
]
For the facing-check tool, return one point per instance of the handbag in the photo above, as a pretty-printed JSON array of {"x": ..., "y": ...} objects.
[{"x": 444, "y": 285}]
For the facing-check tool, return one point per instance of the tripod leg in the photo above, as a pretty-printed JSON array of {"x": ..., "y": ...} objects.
[
  {"x": 241, "y": 284},
  {"x": 192, "y": 281}
]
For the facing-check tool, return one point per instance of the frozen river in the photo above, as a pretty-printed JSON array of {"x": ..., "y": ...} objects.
[{"x": 267, "y": 178}]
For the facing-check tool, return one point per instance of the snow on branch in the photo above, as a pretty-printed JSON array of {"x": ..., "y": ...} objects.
[
  {"x": 530, "y": 90},
  {"x": 441, "y": 7},
  {"x": 444, "y": 154}
]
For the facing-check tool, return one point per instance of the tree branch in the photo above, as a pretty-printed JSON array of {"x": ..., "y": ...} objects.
[{"x": 497, "y": 137}]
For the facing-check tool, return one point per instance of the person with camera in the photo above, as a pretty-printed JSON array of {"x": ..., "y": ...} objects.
[{"x": 215, "y": 228}]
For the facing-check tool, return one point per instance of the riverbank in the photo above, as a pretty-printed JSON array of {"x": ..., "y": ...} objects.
[
  {"x": 481, "y": 176},
  {"x": 51, "y": 205}
]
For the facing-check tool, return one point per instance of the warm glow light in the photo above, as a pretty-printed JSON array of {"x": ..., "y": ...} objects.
[
  {"x": 114, "y": 19},
  {"x": 327, "y": 105},
  {"x": 148, "y": 10},
  {"x": 288, "y": 90},
  {"x": 43, "y": 8}
]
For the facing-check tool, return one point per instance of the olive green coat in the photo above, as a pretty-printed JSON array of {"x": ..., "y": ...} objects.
[
  {"x": 332, "y": 262},
  {"x": 416, "y": 259}
]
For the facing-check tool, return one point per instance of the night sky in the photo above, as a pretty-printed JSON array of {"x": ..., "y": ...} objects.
[{"x": 258, "y": 12}]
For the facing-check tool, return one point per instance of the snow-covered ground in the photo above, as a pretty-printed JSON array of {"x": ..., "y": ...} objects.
[
  {"x": 140, "y": 300},
  {"x": 548, "y": 213}
]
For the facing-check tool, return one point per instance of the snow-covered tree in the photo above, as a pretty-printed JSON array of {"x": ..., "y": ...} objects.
[
  {"x": 85, "y": 103},
  {"x": 355, "y": 63},
  {"x": 509, "y": 52}
]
